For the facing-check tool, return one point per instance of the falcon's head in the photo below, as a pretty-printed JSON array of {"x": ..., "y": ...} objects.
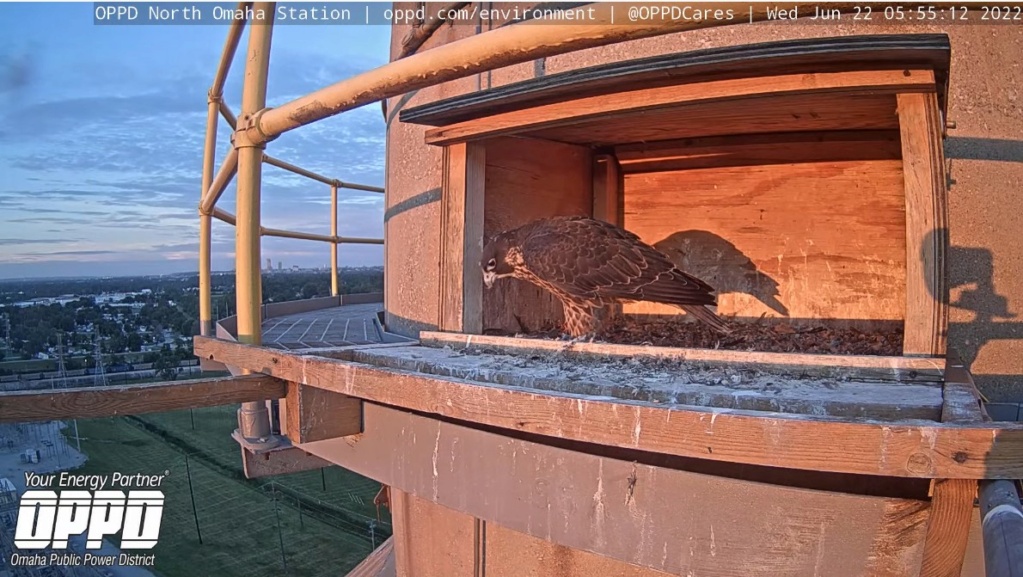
[{"x": 494, "y": 262}]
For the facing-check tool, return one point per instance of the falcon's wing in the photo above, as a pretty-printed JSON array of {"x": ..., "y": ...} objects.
[{"x": 595, "y": 260}]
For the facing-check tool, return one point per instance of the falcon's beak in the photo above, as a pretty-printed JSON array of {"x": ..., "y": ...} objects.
[{"x": 488, "y": 278}]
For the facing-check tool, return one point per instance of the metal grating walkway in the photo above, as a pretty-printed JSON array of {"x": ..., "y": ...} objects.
[{"x": 333, "y": 327}]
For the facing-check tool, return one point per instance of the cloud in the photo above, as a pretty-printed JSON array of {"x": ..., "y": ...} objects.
[
  {"x": 18, "y": 241},
  {"x": 73, "y": 253},
  {"x": 104, "y": 152}
]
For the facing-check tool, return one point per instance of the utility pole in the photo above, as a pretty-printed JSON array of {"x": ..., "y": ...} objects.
[
  {"x": 7, "y": 332},
  {"x": 100, "y": 377},
  {"x": 62, "y": 377}
]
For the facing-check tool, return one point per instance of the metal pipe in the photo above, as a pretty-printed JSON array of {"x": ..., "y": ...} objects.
[
  {"x": 234, "y": 36},
  {"x": 333, "y": 246},
  {"x": 229, "y": 116},
  {"x": 353, "y": 186},
  {"x": 296, "y": 235},
  {"x": 497, "y": 48},
  {"x": 354, "y": 240},
  {"x": 296, "y": 170},
  {"x": 253, "y": 418},
  {"x": 420, "y": 34},
  {"x": 219, "y": 185},
  {"x": 206, "y": 224},
  {"x": 318, "y": 177},
  {"x": 1002, "y": 526},
  {"x": 224, "y": 216}
]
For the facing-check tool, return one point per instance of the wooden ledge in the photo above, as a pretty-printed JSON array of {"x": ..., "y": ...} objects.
[
  {"x": 904, "y": 449},
  {"x": 915, "y": 369},
  {"x": 87, "y": 402}
]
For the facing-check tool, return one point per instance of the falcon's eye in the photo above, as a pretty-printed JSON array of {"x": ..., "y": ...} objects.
[{"x": 491, "y": 264}]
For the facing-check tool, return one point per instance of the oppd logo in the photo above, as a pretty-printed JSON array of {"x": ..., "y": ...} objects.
[{"x": 85, "y": 507}]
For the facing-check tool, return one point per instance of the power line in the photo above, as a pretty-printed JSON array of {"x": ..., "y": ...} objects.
[
  {"x": 100, "y": 378},
  {"x": 62, "y": 378}
]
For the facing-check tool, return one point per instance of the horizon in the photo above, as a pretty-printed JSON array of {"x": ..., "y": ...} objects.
[
  {"x": 101, "y": 139},
  {"x": 214, "y": 272}
]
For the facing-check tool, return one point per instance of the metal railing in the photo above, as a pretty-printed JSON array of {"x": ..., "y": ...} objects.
[{"x": 214, "y": 185}]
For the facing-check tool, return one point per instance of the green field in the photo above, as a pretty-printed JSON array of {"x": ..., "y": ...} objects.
[{"x": 313, "y": 523}]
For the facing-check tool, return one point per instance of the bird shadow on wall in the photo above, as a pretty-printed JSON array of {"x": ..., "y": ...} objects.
[
  {"x": 972, "y": 270},
  {"x": 971, "y": 287},
  {"x": 722, "y": 265}
]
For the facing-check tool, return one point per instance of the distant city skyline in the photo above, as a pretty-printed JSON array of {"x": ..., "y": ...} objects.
[{"x": 101, "y": 132}]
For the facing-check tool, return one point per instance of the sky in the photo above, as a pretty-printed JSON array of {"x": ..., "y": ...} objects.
[{"x": 101, "y": 137}]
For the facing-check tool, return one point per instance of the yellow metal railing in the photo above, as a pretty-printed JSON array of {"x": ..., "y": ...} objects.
[{"x": 213, "y": 186}]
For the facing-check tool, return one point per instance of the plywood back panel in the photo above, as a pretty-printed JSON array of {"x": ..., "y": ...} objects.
[
  {"x": 804, "y": 240},
  {"x": 528, "y": 179}
]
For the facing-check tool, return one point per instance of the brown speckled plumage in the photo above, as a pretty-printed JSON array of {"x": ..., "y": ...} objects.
[{"x": 588, "y": 264}]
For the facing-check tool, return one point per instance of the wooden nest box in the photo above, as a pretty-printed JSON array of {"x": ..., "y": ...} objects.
[{"x": 804, "y": 180}]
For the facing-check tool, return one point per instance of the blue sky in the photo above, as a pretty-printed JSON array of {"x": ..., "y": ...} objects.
[{"x": 101, "y": 132}]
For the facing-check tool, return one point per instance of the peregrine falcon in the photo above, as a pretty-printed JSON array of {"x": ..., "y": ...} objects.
[{"x": 588, "y": 264}]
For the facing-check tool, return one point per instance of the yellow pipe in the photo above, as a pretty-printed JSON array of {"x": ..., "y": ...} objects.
[
  {"x": 355, "y": 240},
  {"x": 206, "y": 224},
  {"x": 224, "y": 216},
  {"x": 250, "y": 156},
  {"x": 214, "y": 104},
  {"x": 220, "y": 182},
  {"x": 253, "y": 418},
  {"x": 353, "y": 186},
  {"x": 296, "y": 170},
  {"x": 494, "y": 49},
  {"x": 234, "y": 36},
  {"x": 296, "y": 235},
  {"x": 316, "y": 237},
  {"x": 318, "y": 177},
  {"x": 229, "y": 116},
  {"x": 333, "y": 245}
]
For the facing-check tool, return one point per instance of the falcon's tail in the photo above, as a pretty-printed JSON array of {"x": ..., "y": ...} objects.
[{"x": 707, "y": 316}]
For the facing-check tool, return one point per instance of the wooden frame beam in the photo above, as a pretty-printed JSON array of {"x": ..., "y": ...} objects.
[
  {"x": 952, "y": 500},
  {"x": 758, "y": 149},
  {"x": 926, "y": 225},
  {"x": 608, "y": 203},
  {"x": 911, "y": 449},
  {"x": 280, "y": 461},
  {"x": 607, "y": 189},
  {"x": 461, "y": 237},
  {"x": 313, "y": 414},
  {"x": 87, "y": 402},
  {"x": 633, "y": 101}
]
